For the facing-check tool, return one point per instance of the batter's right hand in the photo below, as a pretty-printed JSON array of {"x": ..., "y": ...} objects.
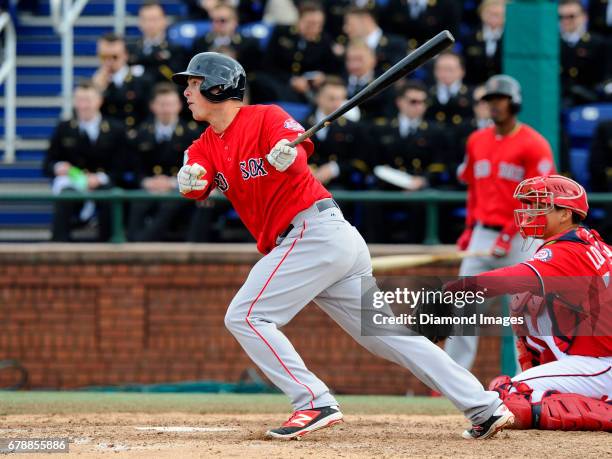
[
  {"x": 190, "y": 178},
  {"x": 464, "y": 240}
]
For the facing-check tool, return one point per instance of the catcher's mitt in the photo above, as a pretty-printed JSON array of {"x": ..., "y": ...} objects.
[{"x": 433, "y": 319}]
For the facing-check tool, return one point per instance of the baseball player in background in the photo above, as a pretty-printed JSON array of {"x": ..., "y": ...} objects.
[
  {"x": 311, "y": 252},
  {"x": 497, "y": 158},
  {"x": 565, "y": 302}
]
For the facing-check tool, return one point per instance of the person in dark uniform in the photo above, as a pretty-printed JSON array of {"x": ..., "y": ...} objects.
[
  {"x": 419, "y": 20},
  {"x": 584, "y": 60},
  {"x": 335, "y": 11},
  {"x": 409, "y": 143},
  {"x": 248, "y": 10},
  {"x": 412, "y": 144},
  {"x": 85, "y": 154},
  {"x": 360, "y": 24},
  {"x": 159, "y": 58},
  {"x": 224, "y": 34},
  {"x": 483, "y": 48},
  {"x": 125, "y": 89},
  {"x": 451, "y": 101},
  {"x": 158, "y": 146},
  {"x": 600, "y": 17},
  {"x": 339, "y": 159},
  {"x": 360, "y": 62},
  {"x": 297, "y": 58}
]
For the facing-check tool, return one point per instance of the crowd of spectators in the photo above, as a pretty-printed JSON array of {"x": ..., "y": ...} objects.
[{"x": 130, "y": 127}]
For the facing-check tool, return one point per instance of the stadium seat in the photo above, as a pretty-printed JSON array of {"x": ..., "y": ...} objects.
[
  {"x": 579, "y": 165},
  {"x": 297, "y": 110},
  {"x": 184, "y": 33},
  {"x": 260, "y": 30},
  {"x": 582, "y": 121}
]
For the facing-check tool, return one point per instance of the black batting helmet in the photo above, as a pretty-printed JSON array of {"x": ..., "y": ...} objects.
[
  {"x": 504, "y": 85},
  {"x": 223, "y": 77}
]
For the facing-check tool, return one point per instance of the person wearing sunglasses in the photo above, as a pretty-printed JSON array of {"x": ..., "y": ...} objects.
[
  {"x": 224, "y": 34},
  {"x": 409, "y": 142},
  {"x": 125, "y": 89}
]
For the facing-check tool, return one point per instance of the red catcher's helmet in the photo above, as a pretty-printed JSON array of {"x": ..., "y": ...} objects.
[{"x": 540, "y": 195}]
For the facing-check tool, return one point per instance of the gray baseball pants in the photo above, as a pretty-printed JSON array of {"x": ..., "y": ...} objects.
[{"x": 323, "y": 259}]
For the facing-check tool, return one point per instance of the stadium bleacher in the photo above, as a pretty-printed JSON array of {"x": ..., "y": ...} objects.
[{"x": 39, "y": 102}]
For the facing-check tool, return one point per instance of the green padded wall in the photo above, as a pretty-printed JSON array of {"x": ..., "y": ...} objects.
[{"x": 531, "y": 55}]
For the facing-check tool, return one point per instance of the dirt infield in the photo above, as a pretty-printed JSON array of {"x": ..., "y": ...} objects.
[{"x": 207, "y": 434}]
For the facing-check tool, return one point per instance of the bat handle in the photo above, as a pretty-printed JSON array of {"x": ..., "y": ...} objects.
[{"x": 308, "y": 134}]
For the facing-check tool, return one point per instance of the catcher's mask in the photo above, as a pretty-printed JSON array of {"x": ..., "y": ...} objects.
[{"x": 540, "y": 195}]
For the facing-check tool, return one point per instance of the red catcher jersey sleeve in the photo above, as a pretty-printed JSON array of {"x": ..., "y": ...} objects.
[{"x": 578, "y": 274}]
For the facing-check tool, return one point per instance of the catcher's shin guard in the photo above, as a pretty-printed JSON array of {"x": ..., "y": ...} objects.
[
  {"x": 555, "y": 411},
  {"x": 572, "y": 412},
  {"x": 518, "y": 402},
  {"x": 522, "y": 408}
]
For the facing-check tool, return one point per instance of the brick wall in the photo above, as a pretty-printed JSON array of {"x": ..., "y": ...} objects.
[{"x": 79, "y": 315}]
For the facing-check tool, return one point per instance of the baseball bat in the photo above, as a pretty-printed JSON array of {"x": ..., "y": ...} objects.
[
  {"x": 407, "y": 65},
  {"x": 380, "y": 264}
]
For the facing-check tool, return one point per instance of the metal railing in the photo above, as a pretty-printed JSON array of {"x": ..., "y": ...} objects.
[
  {"x": 64, "y": 14},
  {"x": 430, "y": 199},
  {"x": 8, "y": 76}
]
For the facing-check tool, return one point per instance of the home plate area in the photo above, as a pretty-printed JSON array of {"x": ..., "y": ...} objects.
[{"x": 190, "y": 435}]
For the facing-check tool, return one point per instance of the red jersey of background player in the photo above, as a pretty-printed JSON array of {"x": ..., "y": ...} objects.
[
  {"x": 494, "y": 165},
  {"x": 569, "y": 302},
  {"x": 265, "y": 199}
]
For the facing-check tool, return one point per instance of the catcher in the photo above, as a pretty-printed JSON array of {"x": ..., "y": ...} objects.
[{"x": 563, "y": 294}]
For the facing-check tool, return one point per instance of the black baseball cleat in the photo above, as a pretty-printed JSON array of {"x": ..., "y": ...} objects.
[
  {"x": 304, "y": 421},
  {"x": 502, "y": 418}
]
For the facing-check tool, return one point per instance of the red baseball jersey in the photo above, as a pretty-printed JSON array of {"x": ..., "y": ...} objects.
[
  {"x": 494, "y": 165},
  {"x": 266, "y": 200},
  {"x": 570, "y": 304},
  {"x": 574, "y": 271}
]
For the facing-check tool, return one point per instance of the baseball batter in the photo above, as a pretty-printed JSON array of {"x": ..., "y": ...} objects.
[
  {"x": 565, "y": 301},
  {"x": 497, "y": 159},
  {"x": 311, "y": 252}
]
